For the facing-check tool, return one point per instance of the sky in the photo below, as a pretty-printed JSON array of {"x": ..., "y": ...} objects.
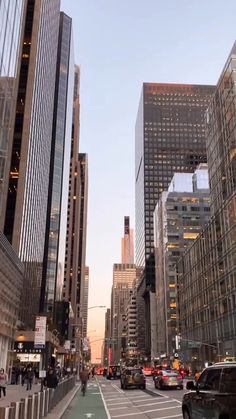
[{"x": 120, "y": 44}]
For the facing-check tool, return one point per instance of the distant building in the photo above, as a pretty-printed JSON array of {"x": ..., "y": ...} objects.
[
  {"x": 127, "y": 243},
  {"x": 207, "y": 271},
  {"x": 179, "y": 218},
  {"x": 123, "y": 279},
  {"x": 107, "y": 344},
  {"x": 11, "y": 280},
  {"x": 75, "y": 256},
  {"x": 84, "y": 313},
  {"x": 169, "y": 138}
]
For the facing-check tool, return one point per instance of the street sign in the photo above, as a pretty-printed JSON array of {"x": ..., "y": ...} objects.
[
  {"x": 40, "y": 332},
  {"x": 193, "y": 344}
]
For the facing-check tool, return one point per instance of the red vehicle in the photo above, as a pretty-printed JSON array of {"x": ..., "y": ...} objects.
[
  {"x": 147, "y": 371},
  {"x": 99, "y": 371}
]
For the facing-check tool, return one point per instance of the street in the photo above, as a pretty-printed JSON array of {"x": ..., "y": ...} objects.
[{"x": 131, "y": 403}]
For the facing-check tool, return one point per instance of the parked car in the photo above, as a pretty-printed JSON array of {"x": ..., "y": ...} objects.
[
  {"x": 168, "y": 379},
  {"x": 113, "y": 372},
  {"x": 104, "y": 372},
  {"x": 132, "y": 377},
  {"x": 213, "y": 395}
]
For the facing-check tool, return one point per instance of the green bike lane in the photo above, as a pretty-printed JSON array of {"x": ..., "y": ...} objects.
[{"x": 90, "y": 406}]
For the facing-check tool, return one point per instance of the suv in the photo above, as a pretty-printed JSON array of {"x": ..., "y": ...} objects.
[
  {"x": 213, "y": 395},
  {"x": 132, "y": 377},
  {"x": 113, "y": 372}
]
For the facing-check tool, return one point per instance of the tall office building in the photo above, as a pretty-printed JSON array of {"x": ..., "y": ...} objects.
[
  {"x": 207, "y": 271},
  {"x": 11, "y": 15},
  {"x": 127, "y": 243},
  {"x": 106, "y": 349},
  {"x": 179, "y": 217},
  {"x": 25, "y": 199},
  {"x": 74, "y": 272},
  {"x": 84, "y": 313},
  {"x": 124, "y": 276},
  {"x": 170, "y": 137},
  {"x": 54, "y": 250}
]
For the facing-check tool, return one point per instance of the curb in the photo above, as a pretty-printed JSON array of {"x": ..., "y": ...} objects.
[{"x": 52, "y": 415}]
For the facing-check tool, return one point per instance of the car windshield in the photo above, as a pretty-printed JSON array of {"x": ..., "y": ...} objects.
[{"x": 136, "y": 371}]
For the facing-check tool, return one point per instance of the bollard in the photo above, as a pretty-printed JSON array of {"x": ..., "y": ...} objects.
[
  {"x": 29, "y": 411},
  {"x": 24, "y": 408},
  {"x": 2, "y": 412},
  {"x": 21, "y": 409},
  {"x": 12, "y": 411}
]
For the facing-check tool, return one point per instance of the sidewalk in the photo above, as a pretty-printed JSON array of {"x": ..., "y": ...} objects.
[
  {"x": 16, "y": 392},
  {"x": 89, "y": 406}
]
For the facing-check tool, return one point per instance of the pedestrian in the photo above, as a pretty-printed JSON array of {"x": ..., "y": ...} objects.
[
  {"x": 51, "y": 380},
  {"x": 84, "y": 377},
  {"x": 3, "y": 382},
  {"x": 36, "y": 375},
  {"x": 23, "y": 374},
  {"x": 29, "y": 377},
  {"x": 93, "y": 372}
]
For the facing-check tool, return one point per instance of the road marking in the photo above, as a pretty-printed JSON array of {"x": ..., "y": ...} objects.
[
  {"x": 118, "y": 408},
  {"x": 89, "y": 415},
  {"x": 151, "y": 404},
  {"x": 169, "y": 417},
  {"x": 115, "y": 404},
  {"x": 145, "y": 411},
  {"x": 95, "y": 393},
  {"x": 105, "y": 405}
]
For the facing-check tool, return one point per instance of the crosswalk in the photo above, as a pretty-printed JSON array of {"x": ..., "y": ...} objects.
[{"x": 140, "y": 404}]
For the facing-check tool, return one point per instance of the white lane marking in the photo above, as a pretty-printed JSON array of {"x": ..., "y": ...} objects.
[
  {"x": 169, "y": 417},
  {"x": 177, "y": 401},
  {"x": 118, "y": 389},
  {"x": 145, "y": 411},
  {"x": 116, "y": 398},
  {"x": 115, "y": 404},
  {"x": 105, "y": 405},
  {"x": 118, "y": 408},
  {"x": 151, "y": 404}
]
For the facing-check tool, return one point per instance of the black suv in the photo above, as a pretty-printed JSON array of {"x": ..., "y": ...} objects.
[{"x": 213, "y": 395}]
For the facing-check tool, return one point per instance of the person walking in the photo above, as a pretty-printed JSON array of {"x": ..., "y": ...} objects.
[
  {"x": 51, "y": 380},
  {"x": 3, "y": 382},
  {"x": 29, "y": 377}
]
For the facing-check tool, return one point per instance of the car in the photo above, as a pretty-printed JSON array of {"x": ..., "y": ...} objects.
[
  {"x": 168, "y": 379},
  {"x": 147, "y": 371},
  {"x": 213, "y": 395},
  {"x": 113, "y": 372},
  {"x": 132, "y": 377},
  {"x": 104, "y": 372}
]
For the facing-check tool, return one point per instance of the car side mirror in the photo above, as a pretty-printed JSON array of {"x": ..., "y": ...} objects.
[{"x": 191, "y": 385}]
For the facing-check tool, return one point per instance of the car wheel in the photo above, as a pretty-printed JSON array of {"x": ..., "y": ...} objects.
[
  {"x": 181, "y": 387},
  {"x": 186, "y": 414},
  {"x": 143, "y": 387}
]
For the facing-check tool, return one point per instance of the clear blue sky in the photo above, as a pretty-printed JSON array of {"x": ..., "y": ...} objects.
[{"x": 119, "y": 45}]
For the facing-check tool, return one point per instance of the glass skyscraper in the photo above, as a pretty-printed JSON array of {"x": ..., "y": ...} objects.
[
  {"x": 11, "y": 14},
  {"x": 59, "y": 168},
  {"x": 25, "y": 206},
  {"x": 170, "y": 137}
]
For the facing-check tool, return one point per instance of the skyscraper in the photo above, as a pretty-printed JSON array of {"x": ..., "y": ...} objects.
[
  {"x": 25, "y": 200},
  {"x": 207, "y": 271},
  {"x": 11, "y": 15},
  {"x": 170, "y": 137},
  {"x": 84, "y": 313},
  {"x": 127, "y": 243},
  {"x": 74, "y": 272},
  {"x": 52, "y": 275},
  {"x": 179, "y": 217}
]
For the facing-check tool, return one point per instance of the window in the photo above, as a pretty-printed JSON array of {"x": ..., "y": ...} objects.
[
  {"x": 210, "y": 380},
  {"x": 228, "y": 384}
]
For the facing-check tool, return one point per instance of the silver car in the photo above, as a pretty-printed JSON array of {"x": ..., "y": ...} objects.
[{"x": 168, "y": 379}]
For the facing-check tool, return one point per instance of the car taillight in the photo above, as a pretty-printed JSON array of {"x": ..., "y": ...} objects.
[
  {"x": 179, "y": 377},
  {"x": 165, "y": 377}
]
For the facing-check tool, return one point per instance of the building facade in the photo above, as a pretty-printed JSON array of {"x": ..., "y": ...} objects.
[
  {"x": 207, "y": 271},
  {"x": 11, "y": 279},
  {"x": 127, "y": 243},
  {"x": 179, "y": 217},
  {"x": 169, "y": 138},
  {"x": 124, "y": 276},
  {"x": 74, "y": 286},
  {"x": 11, "y": 15},
  {"x": 25, "y": 197},
  {"x": 59, "y": 170},
  {"x": 84, "y": 314}
]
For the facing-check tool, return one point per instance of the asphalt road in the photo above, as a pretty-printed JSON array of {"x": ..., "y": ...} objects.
[
  {"x": 141, "y": 404},
  {"x": 106, "y": 400}
]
